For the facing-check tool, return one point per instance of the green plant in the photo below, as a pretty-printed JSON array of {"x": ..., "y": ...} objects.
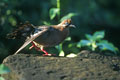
[
  {"x": 96, "y": 41},
  {"x": 3, "y": 70},
  {"x": 56, "y": 12},
  {"x": 68, "y": 16},
  {"x": 60, "y": 49}
]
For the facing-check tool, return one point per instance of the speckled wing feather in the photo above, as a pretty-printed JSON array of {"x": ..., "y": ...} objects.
[{"x": 33, "y": 36}]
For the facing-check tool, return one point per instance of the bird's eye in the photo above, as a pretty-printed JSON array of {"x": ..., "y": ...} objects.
[{"x": 66, "y": 23}]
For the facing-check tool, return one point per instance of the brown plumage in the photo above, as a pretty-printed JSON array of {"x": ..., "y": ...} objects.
[{"x": 43, "y": 36}]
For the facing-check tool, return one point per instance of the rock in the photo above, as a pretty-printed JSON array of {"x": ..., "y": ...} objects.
[{"x": 86, "y": 66}]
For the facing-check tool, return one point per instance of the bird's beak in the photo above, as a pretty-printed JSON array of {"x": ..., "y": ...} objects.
[{"x": 71, "y": 25}]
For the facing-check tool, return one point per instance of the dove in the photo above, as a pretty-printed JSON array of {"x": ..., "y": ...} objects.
[{"x": 42, "y": 36}]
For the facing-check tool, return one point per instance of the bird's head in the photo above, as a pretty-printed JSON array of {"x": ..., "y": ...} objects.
[{"x": 67, "y": 23}]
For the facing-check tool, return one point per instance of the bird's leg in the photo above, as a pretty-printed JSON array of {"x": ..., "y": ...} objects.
[
  {"x": 40, "y": 49},
  {"x": 46, "y": 53},
  {"x": 33, "y": 45}
]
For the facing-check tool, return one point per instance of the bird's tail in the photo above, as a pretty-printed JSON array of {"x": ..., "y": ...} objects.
[{"x": 23, "y": 31}]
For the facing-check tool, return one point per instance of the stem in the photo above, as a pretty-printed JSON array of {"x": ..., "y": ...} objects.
[
  {"x": 94, "y": 46},
  {"x": 61, "y": 46},
  {"x": 58, "y": 6}
]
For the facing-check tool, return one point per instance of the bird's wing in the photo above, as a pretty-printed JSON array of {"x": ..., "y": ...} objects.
[{"x": 32, "y": 37}]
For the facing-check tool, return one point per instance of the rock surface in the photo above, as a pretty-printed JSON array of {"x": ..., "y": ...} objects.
[{"x": 86, "y": 66}]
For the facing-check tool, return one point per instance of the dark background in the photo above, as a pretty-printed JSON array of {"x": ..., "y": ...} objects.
[{"x": 93, "y": 15}]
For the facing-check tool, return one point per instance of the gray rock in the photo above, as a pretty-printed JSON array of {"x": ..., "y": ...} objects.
[{"x": 86, "y": 66}]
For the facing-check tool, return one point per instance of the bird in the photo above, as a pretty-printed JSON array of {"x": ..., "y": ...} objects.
[{"x": 41, "y": 36}]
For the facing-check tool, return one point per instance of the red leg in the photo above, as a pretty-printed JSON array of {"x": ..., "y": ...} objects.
[
  {"x": 40, "y": 49},
  {"x": 46, "y": 53},
  {"x": 33, "y": 45}
]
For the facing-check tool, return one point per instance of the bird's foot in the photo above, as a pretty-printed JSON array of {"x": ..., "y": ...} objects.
[
  {"x": 49, "y": 54},
  {"x": 46, "y": 53}
]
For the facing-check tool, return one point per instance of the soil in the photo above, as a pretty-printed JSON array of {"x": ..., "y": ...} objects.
[{"x": 86, "y": 66}]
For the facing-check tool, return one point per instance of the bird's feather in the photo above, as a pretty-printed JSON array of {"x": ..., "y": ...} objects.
[{"x": 30, "y": 39}]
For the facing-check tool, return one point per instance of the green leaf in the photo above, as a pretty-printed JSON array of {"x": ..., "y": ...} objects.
[
  {"x": 1, "y": 78},
  {"x": 46, "y": 23},
  {"x": 71, "y": 55},
  {"x": 68, "y": 39},
  {"x": 79, "y": 45},
  {"x": 105, "y": 45},
  {"x": 62, "y": 53},
  {"x": 84, "y": 43},
  {"x": 98, "y": 35},
  {"x": 59, "y": 47},
  {"x": 89, "y": 37},
  {"x": 68, "y": 16},
  {"x": 4, "y": 69},
  {"x": 70, "y": 45},
  {"x": 53, "y": 12},
  {"x": 12, "y": 20},
  {"x": 8, "y": 12}
]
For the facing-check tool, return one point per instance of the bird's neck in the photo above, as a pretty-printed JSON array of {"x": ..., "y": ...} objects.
[
  {"x": 59, "y": 27},
  {"x": 64, "y": 30}
]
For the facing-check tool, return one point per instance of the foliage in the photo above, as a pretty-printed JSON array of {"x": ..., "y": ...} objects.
[
  {"x": 60, "y": 47},
  {"x": 71, "y": 55},
  {"x": 54, "y": 12},
  {"x": 1, "y": 78},
  {"x": 96, "y": 41},
  {"x": 68, "y": 16},
  {"x": 3, "y": 70}
]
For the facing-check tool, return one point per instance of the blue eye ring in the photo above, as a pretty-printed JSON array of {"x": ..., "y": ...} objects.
[{"x": 66, "y": 23}]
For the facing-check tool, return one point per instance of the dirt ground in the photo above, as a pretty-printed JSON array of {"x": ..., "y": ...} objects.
[{"x": 86, "y": 66}]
